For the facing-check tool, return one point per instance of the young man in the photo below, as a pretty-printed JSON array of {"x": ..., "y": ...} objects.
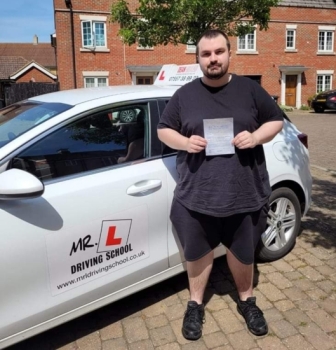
[{"x": 222, "y": 198}]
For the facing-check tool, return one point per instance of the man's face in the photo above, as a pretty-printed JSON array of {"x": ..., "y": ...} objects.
[{"x": 213, "y": 57}]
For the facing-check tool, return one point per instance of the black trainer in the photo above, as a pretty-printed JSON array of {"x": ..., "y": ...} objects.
[
  {"x": 193, "y": 321},
  {"x": 254, "y": 317}
]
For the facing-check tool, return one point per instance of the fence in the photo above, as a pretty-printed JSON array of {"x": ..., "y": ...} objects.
[{"x": 14, "y": 92}]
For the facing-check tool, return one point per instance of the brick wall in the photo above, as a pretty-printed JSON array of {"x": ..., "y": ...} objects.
[
  {"x": 270, "y": 48},
  {"x": 34, "y": 75}
]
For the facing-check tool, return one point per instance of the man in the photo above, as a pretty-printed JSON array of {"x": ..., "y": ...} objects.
[{"x": 222, "y": 198}]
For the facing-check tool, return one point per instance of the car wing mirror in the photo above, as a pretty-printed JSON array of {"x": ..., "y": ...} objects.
[{"x": 19, "y": 184}]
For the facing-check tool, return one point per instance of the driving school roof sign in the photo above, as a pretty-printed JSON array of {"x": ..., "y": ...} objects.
[{"x": 172, "y": 74}]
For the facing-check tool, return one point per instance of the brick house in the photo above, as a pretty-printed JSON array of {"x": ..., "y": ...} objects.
[
  {"x": 293, "y": 59},
  {"x": 25, "y": 63}
]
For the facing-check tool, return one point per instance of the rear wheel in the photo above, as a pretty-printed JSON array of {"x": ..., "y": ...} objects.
[{"x": 283, "y": 225}]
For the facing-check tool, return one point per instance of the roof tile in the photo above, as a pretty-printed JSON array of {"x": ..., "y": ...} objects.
[
  {"x": 42, "y": 53},
  {"x": 11, "y": 64}
]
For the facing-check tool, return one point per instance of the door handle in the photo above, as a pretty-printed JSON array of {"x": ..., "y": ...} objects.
[{"x": 142, "y": 187}]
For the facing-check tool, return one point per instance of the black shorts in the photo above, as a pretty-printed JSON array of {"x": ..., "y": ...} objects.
[{"x": 201, "y": 233}]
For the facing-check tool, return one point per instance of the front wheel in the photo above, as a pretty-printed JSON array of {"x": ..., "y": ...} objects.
[
  {"x": 319, "y": 109},
  {"x": 283, "y": 225}
]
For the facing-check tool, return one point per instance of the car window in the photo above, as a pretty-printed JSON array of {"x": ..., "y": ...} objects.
[
  {"x": 113, "y": 137},
  {"x": 18, "y": 118}
]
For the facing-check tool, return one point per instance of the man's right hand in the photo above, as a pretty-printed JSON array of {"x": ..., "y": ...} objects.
[{"x": 195, "y": 144}]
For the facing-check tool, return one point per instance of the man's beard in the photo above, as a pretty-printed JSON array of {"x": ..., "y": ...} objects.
[{"x": 215, "y": 75}]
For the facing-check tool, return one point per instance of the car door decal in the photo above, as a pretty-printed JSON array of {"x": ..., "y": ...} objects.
[{"x": 75, "y": 259}]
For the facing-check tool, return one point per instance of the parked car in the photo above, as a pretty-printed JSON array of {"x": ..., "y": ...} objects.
[
  {"x": 324, "y": 100},
  {"x": 81, "y": 227}
]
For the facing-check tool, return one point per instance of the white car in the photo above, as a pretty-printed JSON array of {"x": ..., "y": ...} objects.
[{"x": 85, "y": 222}]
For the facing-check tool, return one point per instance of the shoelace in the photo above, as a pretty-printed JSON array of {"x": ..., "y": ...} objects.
[
  {"x": 194, "y": 315},
  {"x": 253, "y": 312}
]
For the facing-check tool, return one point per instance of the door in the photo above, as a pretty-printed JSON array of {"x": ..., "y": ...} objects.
[
  {"x": 100, "y": 226},
  {"x": 144, "y": 80},
  {"x": 291, "y": 81}
]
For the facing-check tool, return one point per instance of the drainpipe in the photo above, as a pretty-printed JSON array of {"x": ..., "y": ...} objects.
[{"x": 68, "y": 4}]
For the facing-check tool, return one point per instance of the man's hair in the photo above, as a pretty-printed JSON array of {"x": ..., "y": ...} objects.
[{"x": 213, "y": 33}]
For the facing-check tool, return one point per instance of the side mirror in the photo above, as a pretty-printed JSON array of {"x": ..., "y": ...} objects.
[{"x": 18, "y": 184}]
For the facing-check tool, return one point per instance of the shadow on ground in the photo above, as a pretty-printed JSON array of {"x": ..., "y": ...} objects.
[{"x": 318, "y": 227}]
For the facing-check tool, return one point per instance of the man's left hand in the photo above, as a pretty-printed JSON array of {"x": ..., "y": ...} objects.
[{"x": 245, "y": 140}]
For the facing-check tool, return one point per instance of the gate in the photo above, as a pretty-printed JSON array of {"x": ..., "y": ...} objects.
[{"x": 15, "y": 92}]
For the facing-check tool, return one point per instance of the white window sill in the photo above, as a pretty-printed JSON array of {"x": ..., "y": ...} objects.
[
  {"x": 247, "y": 52},
  {"x": 139, "y": 48},
  {"x": 325, "y": 53},
  {"x": 291, "y": 50},
  {"x": 94, "y": 49},
  {"x": 193, "y": 51}
]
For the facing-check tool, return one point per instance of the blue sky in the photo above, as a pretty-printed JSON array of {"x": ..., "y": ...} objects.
[{"x": 20, "y": 20}]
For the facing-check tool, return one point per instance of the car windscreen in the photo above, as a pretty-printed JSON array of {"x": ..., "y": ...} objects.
[{"x": 20, "y": 117}]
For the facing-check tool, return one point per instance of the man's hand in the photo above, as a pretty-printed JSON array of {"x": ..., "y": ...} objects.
[
  {"x": 245, "y": 140},
  {"x": 195, "y": 144}
]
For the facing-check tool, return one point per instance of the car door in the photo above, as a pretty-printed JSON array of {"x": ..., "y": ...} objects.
[{"x": 100, "y": 228}]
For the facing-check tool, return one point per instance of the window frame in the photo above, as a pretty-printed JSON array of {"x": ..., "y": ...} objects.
[
  {"x": 96, "y": 83},
  {"x": 325, "y": 30},
  {"x": 324, "y": 74},
  {"x": 246, "y": 49},
  {"x": 93, "y": 20},
  {"x": 290, "y": 28}
]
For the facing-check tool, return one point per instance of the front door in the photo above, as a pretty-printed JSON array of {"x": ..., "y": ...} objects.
[
  {"x": 291, "y": 81},
  {"x": 144, "y": 80}
]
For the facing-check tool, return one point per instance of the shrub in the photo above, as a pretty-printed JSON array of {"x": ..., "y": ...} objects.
[{"x": 305, "y": 108}]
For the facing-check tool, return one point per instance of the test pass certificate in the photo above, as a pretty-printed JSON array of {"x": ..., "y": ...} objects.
[{"x": 219, "y": 134}]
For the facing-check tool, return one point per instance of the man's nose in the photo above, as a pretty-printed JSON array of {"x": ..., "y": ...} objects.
[{"x": 213, "y": 57}]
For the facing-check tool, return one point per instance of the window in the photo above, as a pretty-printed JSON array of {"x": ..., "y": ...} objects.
[
  {"x": 290, "y": 37},
  {"x": 96, "y": 141},
  {"x": 324, "y": 80},
  {"x": 95, "y": 82},
  {"x": 326, "y": 39},
  {"x": 247, "y": 42},
  {"x": 93, "y": 33}
]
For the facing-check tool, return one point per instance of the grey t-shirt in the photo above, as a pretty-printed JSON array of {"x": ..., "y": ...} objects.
[{"x": 227, "y": 184}]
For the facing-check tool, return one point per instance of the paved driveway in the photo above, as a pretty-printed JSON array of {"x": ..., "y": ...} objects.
[
  {"x": 321, "y": 131},
  {"x": 297, "y": 293}
]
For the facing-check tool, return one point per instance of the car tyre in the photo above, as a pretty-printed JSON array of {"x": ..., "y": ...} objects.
[
  {"x": 318, "y": 109},
  {"x": 283, "y": 225}
]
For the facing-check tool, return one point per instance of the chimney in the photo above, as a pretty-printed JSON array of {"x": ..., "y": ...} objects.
[{"x": 35, "y": 40}]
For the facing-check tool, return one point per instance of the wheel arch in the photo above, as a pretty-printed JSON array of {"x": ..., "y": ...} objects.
[{"x": 296, "y": 188}]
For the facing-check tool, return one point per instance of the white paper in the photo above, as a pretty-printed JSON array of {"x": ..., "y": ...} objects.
[{"x": 219, "y": 134}]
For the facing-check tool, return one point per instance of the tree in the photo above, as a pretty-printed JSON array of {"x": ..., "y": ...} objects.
[{"x": 160, "y": 22}]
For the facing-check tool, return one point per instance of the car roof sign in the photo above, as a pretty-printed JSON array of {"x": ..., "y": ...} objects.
[{"x": 173, "y": 74}]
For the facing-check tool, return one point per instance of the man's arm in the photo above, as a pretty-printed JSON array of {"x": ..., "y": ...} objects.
[
  {"x": 264, "y": 134},
  {"x": 173, "y": 139}
]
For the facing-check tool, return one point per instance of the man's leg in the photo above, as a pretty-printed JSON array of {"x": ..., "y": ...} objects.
[
  {"x": 242, "y": 275},
  {"x": 246, "y": 305},
  {"x": 198, "y": 274}
]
